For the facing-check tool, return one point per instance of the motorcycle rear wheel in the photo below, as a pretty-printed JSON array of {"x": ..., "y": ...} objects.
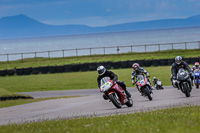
[{"x": 115, "y": 100}]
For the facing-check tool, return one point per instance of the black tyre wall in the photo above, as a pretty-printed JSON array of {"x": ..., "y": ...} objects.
[
  {"x": 11, "y": 72},
  {"x": 92, "y": 66},
  {"x": 20, "y": 71},
  {"x": 60, "y": 69},
  {"x": 36, "y": 70},
  {"x": 84, "y": 67},
  {"x": 116, "y": 65},
  {"x": 76, "y": 67},
  {"x": 68, "y": 68},
  {"x": 147, "y": 63},
  {"x": 44, "y": 69},
  {"x": 3, "y": 72},
  {"x": 155, "y": 62},
  {"x": 163, "y": 62},
  {"x": 52, "y": 69},
  {"x": 27, "y": 71}
]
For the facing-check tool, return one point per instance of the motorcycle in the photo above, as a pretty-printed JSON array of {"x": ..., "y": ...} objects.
[
  {"x": 143, "y": 86},
  {"x": 184, "y": 82},
  {"x": 158, "y": 85},
  {"x": 115, "y": 93},
  {"x": 197, "y": 78}
]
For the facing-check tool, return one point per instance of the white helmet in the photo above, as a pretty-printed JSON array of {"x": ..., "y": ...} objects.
[
  {"x": 101, "y": 70},
  {"x": 154, "y": 77}
]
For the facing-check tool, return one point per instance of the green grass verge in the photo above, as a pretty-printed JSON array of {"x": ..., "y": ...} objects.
[
  {"x": 169, "y": 54},
  {"x": 75, "y": 80},
  {"x": 9, "y": 103},
  {"x": 172, "y": 120}
]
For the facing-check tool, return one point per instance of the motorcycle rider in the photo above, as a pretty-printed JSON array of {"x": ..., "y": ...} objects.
[
  {"x": 196, "y": 66},
  {"x": 179, "y": 63},
  {"x": 137, "y": 70},
  {"x": 105, "y": 73},
  {"x": 155, "y": 80}
]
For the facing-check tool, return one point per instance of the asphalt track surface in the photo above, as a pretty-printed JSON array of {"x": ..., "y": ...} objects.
[{"x": 91, "y": 103}]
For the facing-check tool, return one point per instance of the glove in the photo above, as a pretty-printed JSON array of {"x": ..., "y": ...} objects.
[
  {"x": 148, "y": 75},
  {"x": 174, "y": 77}
]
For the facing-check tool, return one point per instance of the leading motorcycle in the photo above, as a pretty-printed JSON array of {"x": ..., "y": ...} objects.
[{"x": 115, "y": 93}]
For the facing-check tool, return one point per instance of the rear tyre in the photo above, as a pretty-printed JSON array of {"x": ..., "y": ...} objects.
[
  {"x": 147, "y": 93},
  {"x": 197, "y": 85},
  {"x": 186, "y": 89},
  {"x": 115, "y": 100},
  {"x": 130, "y": 102}
]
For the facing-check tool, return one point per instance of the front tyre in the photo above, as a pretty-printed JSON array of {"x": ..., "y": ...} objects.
[
  {"x": 130, "y": 102},
  {"x": 115, "y": 100},
  {"x": 147, "y": 93},
  {"x": 186, "y": 90},
  {"x": 197, "y": 83}
]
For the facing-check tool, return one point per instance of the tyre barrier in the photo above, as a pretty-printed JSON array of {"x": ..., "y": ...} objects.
[
  {"x": 193, "y": 60},
  {"x": 92, "y": 66},
  {"x": 84, "y": 67},
  {"x": 155, "y": 62},
  {"x": 108, "y": 65},
  {"x": 163, "y": 62},
  {"x": 68, "y": 68},
  {"x": 3, "y": 72},
  {"x": 52, "y": 69},
  {"x": 60, "y": 69},
  {"x": 44, "y": 69},
  {"x": 20, "y": 71},
  {"x": 147, "y": 63},
  {"x": 116, "y": 65},
  {"x": 28, "y": 71},
  {"x": 11, "y": 72},
  {"x": 35, "y": 70},
  {"x": 124, "y": 64}
]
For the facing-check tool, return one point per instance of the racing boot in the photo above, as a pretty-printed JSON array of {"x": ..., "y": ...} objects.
[{"x": 127, "y": 93}]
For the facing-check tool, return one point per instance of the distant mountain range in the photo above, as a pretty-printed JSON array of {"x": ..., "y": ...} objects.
[{"x": 21, "y": 26}]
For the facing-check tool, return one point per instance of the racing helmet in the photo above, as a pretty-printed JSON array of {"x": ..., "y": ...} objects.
[
  {"x": 135, "y": 65},
  {"x": 101, "y": 70},
  {"x": 196, "y": 64},
  {"x": 154, "y": 78},
  {"x": 178, "y": 60}
]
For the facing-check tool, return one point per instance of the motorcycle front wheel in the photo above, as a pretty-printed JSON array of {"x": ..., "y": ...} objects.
[
  {"x": 186, "y": 89},
  {"x": 115, "y": 100},
  {"x": 197, "y": 83},
  {"x": 147, "y": 93},
  {"x": 130, "y": 102}
]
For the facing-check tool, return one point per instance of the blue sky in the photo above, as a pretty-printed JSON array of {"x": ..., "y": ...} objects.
[{"x": 99, "y": 12}]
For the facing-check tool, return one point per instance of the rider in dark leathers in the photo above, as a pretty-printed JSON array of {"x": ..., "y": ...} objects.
[
  {"x": 179, "y": 63},
  {"x": 104, "y": 73}
]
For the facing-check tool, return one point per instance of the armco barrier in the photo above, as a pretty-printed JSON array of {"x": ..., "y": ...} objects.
[
  {"x": 3, "y": 72},
  {"x": 27, "y": 71},
  {"x": 11, "y": 72}
]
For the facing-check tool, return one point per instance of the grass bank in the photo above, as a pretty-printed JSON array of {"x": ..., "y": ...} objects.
[
  {"x": 74, "y": 80},
  {"x": 169, "y": 54},
  {"x": 172, "y": 120}
]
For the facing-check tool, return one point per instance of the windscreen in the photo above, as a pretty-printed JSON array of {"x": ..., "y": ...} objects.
[
  {"x": 196, "y": 71},
  {"x": 141, "y": 77},
  {"x": 104, "y": 80}
]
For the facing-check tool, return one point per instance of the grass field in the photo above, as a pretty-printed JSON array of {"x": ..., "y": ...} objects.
[
  {"x": 170, "y": 54},
  {"x": 76, "y": 80},
  {"x": 172, "y": 120}
]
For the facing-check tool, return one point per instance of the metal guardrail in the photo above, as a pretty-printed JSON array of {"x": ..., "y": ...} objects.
[{"x": 101, "y": 50}]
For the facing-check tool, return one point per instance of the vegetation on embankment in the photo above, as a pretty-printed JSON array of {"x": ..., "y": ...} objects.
[
  {"x": 36, "y": 62},
  {"x": 171, "y": 120}
]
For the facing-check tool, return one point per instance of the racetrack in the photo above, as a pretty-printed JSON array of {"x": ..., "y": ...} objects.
[{"x": 90, "y": 103}]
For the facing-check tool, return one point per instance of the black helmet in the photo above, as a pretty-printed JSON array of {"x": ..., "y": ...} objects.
[
  {"x": 178, "y": 60},
  {"x": 101, "y": 70}
]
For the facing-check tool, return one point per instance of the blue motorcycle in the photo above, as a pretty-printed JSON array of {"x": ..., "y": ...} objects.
[{"x": 197, "y": 78}]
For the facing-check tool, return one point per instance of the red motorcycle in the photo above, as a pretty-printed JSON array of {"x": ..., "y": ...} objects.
[
  {"x": 143, "y": 86},
  {"x": 115, "y": 93}
]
